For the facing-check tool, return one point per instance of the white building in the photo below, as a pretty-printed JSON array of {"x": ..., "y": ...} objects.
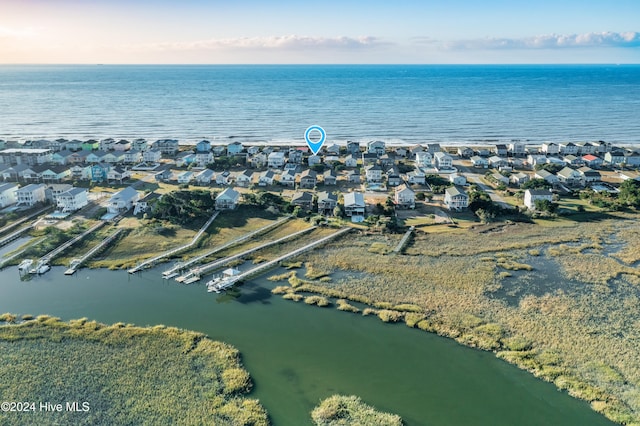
[
  {"x": 72, "y": 200},
  {"x": 8, "y": 194},
  {"x": 455, "y": 198},
  {"x": 275, "y": 159},
  {"x": 31, "y": 194},
  {"x": 424, "y": 159},
  {"x": 442, "y": 160},
  {"x": 404, "y": 197},
  {"x": 123, "y": 200},
  {"x": 354, "y": 206},
  {"x": 228, "y": 199},
  {"x": 532, "y": 195}
]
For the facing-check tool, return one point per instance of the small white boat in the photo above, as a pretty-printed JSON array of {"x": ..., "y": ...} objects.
[
  {"x": 40, "y": 269},
  {"x": 25, "y": 265}
]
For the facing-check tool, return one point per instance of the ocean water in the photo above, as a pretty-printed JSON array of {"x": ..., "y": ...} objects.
[{"x": 397, "y": 103}]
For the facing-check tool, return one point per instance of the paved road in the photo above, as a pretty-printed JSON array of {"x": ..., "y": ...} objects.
[{"x": 496, "y": 198}]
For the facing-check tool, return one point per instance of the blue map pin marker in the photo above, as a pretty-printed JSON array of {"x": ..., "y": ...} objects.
[{"x": 315, "y": 146}]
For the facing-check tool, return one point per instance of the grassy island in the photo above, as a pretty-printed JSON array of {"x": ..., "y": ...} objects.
[
  {"x": 125, "y": 374},
  {"x": 340, "y": 410}
]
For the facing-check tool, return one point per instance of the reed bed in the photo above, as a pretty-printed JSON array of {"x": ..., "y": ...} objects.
[
  {"x": 340, "y": 410},
  {"x": 128, "y": 375}
]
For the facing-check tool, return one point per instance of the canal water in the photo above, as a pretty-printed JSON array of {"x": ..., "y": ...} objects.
[{"x": 299, "y": 354}]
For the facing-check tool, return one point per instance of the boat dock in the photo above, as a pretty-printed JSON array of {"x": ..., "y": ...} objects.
[
  {"x": 76, "y": 263},
  {"x": 149, "y": 262},
  {"x": 47, "y": 258},
  {"x": 174, "y": 271},
  {"x": 272, "y": 263},
  {"x": 198, "y": 271},
  {"x": 6, "y": 260},
  {"x": 404, "y": 241}
]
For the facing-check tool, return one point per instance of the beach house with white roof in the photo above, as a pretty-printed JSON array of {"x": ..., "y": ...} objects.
[
  {"x": 228, "y": 199},
  {"x": 31, "y": 194},
  {"x": 8, "y": 195},
  {"x": 72, "y": 200},
  {"x": 455, "y": 198},
  {"x": 123, "y": 200},
  {"x": 354, "y": 206}
]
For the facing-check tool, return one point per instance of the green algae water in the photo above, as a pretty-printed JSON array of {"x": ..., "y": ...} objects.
[{"x": 299, "y": 354}]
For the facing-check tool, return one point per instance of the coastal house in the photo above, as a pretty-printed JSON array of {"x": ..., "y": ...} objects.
[
  {"x": 266, "y": 178},
  {"x": 393, "y": 176},
  {"x": 569, "y": 148},
  {"x": 234, "y": 148},
  {"x": 455, "y": 198},
  {"x": 228, "y": 199},
  {"x": 353, "y": 176},
  {"x": 275, "y": 159},
  {"x": 53, "y": 173},
  {"x": 327, "y": 201},
  {"x": 253, "y": 150},
  {"x": 465, "y": 152},
  {"x": 185, "y": 178},
  {"x": 151, "y": 156},
  {"x": 302, "y": 199},
  {"x": 185, "y": 159},
  {"x": 535, "y": 159},
  {"x": 31, "y": 194},
  {"x": 203, "y": 146},
  {"x": 533, "y": 195},
  {"x": 602, "y": 147},
  {"x": 369, "y": 158},
  {"x": 166, "y": 146},
  {"x": 373, "y": 173},
  {"x": 433, "y": 148},
  {"x": 74, "y": 145},
  {"x": 353, "y": 148},
  {"x": 589, "y": 175},
  {"x": 329, "y": 177},
  {"x": 500, "y": 150},
  {"x": 113, "y": 157},
  {"x": 204, "y": 177},
  {"x": 546, "y": 176},
  {"x": 401, "y": 152},
  {"x": 442, "y": 161},
  {"x": 258, "y": 160},
  {"x": 376, "y": 147},
  {"x": 569, "y": 177},
  {"x": 122, "y": 200},
  {"x": 223, "y": 178},
  {"x": 500, "y": 179},
  {"x": 483, "y": 152},
  {"x": 145, "y": 203},
  {"x": 140, "y": 145},
  {"x": 518, "y": 179},
  {"x": 404, "y": 197},
  {"x": 314, "y": 160},
  {"x": 424, "y": 159},
  {"x": 219, "y": 150},
  {"x": 614, "y": 158},
  {"x": 308, "y": 179},
  {"x": 52, "y": 191},
  {"x": 79, "y": 157},
  {"x": 106, "y": 144},
  {"x": 288, "y": 178},
  {"x": 202, "y": 159},
  {"x": 517, "y": 149},
  {"x": 122, "y": 145},
  {"x": 244, "y": 178},
  {"x": 118, "y": 174},
  {"x": 61, "y": 157},
  {"x": 8, "y": 194},
  {"x": 333, "y": 149},
  {"x": 163, "y": 176},
  {"x": 456, "y": 179},
  {"x": 416, "y": 177},
  {"x": 72, "y": 200},
  {"x": 95, "y": 157},
  {"x": 132, "y": 156},
  {"x": 295, "y": 156},
  {"x": 497, "y": 162},
  {"x": 632, "y": 158},
  {"x": 99, "y": 172},
  {"x": 27, "y": 173},
  {"x": 550, "y": 148},
  {"x": 387, "y": 160},
  {"x": 354, "y": 206},
  {"x": 90, "y": 145},
  {"x": 480, "y": 162},
  {"x": 350, "y": 161},
  {"x": 572, "y": 160}
]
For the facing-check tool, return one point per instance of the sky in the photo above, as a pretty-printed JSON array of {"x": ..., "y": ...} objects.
[{"x": 309, "y": 31}]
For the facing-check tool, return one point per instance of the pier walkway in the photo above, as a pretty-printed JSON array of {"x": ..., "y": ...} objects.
[
  {"x": 147, "y": 263},
  {"x": 15, "y": 235},
  {"x": 188, "y": 278},
  {"x": 24, "y": 219},
  {"x": 173, "y": 271},
  {"x": 76, "y": 263},
  {"x": 46, "y": 259},
  {"x": 6, "y": 260},
  {"x": 264, "y": 266},
  {"x": 403, "y": 242}
]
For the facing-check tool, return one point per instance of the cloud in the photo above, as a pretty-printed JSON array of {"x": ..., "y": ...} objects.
[
  {"x": 289, "y": 42},
  {"x": 550, "y": 41},
  {"x": 17, "y": 33}
]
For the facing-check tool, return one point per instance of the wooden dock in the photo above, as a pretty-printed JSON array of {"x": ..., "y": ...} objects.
[
  {"x": 173, "y": 271},
  {"x": 203, "y": 269},
  {"x": 404, "y": 241},
  {"x": 272, "y": 263},
  {"x": 149, "y": 262},
  {"x": 76, "y": 263},
  {"x": 14, "y": 235}
]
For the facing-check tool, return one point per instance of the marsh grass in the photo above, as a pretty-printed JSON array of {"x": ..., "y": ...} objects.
[
  {"x": 344, "y": 305},
  {"x": 176, "y": 376},
  {"x": 340, "y": 410},
  {"x": 317, "y": 300}
]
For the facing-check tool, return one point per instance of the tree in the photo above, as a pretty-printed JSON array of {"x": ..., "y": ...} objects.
[
  {"x": 630, "y": 193},
  {"x": 337, "y": 211},
  {"x": 545, "y": 206},
  {"x": 536, "y": 184}
]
